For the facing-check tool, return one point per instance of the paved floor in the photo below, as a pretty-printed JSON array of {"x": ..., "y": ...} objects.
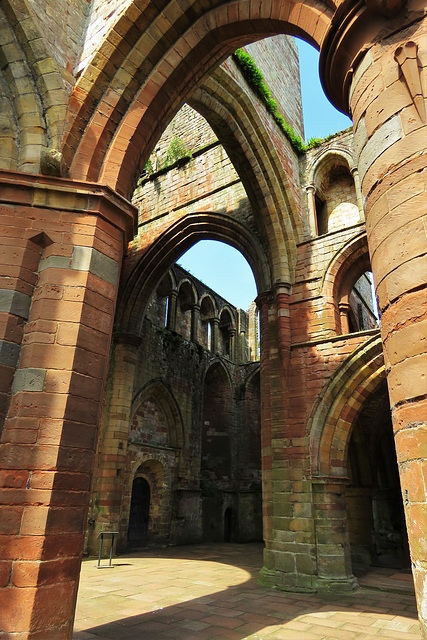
[{"x": 209, "y": 592}]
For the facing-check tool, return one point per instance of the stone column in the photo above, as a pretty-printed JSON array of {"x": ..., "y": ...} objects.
[
  {"x": 171, "y": 317},
  {"x": 267, "y": 574},
  {"x": 359, "y": 195},
  {"x": 344, "y": 309},
  {"x": 380, "y": 59},
  {"x": 195, "y": 319},
  {"x": 215, "y": 332},
  {"x": 312, "y": 215},
  {"x": 287, "y": 494},
  {"x": 50, "y": 430},
  {"x": 232, "y": 338}
]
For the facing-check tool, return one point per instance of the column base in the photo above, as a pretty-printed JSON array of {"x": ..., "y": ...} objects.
[
  {"x": 300, "y": 583},
  {"x": 292, "y": 582},
  {"x": 337, "y": 585}
]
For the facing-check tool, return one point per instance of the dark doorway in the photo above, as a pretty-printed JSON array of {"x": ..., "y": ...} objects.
[
  {"x": 374, "y": 501},
  {"x": 228, "y": 520},
  {"x": 139, "y": 513}
]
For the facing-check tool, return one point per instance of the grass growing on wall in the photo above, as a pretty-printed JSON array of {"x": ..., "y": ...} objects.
[
  {"x": 255, "y": 80},
  {"x": 177, "y": 152}
]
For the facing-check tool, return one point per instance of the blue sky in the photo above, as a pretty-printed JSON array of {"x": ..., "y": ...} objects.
[{"x": 222, "y": 267}]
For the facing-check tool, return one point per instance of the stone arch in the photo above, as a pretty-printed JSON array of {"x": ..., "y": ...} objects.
[
  {"x": 9, "y": 153},
  {"x": 218, "y": 365},
  {"x": 332, "y": 156},
  {"x": 343, "y": 270},
  {"x": 207, "y": 299},
  {"x": 186, "y": 299},
  {"x": 159, "y": 309},
  {"x": 337, "y": 197},
  {"x": 24, "y": 103},
  {"x": 171, "y": 245},
  {"x": 338, "y": 403},
  {"x": 162, "y": 396},
  {"x": 190, "y": 289},
  {"x": 208, "y": 311},
  {"x": 152, "y": 468},
  {"x": 227, "y": 331},
  {"x": 39, "y": 96},
  {"x": 235, "y": 120},
  {"x": 113, "y": 149}
]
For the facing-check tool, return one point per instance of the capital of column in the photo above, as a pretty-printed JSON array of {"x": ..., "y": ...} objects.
[
  {"x": 344, "y": 307},
  {"x": 282, "y": 288},
  {"x": 50, "y": 192},
  {"x": 354, "y": 28},
  {"x": 264, "y": 298}
]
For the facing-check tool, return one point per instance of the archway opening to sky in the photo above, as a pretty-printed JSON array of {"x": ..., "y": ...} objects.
[{"x": 223, "y": 269}]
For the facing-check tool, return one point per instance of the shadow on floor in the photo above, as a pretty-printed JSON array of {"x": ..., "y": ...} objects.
[{"x": 247, "y": 609}]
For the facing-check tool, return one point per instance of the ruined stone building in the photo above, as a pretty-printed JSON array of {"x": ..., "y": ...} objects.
[{"x": 133, "y": 398}]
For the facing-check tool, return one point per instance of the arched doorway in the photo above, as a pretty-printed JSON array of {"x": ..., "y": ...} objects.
[
  {"x": 139, "y": 515},
  {"x": 376, "y": 522}
]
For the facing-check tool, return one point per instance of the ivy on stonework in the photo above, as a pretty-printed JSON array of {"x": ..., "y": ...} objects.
[{"x": 255, "y": 80}]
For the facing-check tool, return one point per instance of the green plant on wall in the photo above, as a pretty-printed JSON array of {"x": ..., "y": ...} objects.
[
  {"x": 255, "y": 80},
  {"x": 177, "y": 152}
]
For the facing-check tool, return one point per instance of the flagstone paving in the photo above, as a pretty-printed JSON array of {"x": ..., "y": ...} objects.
[{"x": 210, "y": 592}]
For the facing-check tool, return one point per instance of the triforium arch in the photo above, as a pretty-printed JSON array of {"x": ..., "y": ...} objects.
[
  {"x": 327, "y": 172},
  {"x": 343, "y": 271},
  {"x": 114, "y": 150},
  {"x": 170, "y": 246}
]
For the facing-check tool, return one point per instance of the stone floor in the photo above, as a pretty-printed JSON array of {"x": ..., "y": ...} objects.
[{"x": 209, "y": 592}]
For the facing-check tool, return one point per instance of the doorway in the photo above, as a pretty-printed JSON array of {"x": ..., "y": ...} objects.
[{"x": 139, "y": 513}]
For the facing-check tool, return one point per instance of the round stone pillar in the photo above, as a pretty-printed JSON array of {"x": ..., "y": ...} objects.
[{"x": 378, "y": 62}]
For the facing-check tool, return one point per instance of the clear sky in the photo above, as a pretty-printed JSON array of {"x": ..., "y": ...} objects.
[{"x": 222, "y": 267}]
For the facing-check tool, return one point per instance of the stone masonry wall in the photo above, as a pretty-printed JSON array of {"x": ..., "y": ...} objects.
[
  {"x": 103, "y": 16},
  {"x": 63, "y": 24},
  {"x": 277, "y": 58}
]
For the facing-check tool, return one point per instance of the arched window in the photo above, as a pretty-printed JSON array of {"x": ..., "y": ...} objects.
[
  {"x": 348, "y": 285},
  {"x": 207, "y": 312},
  {"x": 357, "y": 304},
  {"x": 157, "y": 309},
  {"x": 185, "y": 302},
  {"x": 333, "y": 194},
  {"x": 227, "y": 332}
]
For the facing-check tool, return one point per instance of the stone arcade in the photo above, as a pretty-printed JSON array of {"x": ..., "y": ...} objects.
[{"x": 131, "y": 395}]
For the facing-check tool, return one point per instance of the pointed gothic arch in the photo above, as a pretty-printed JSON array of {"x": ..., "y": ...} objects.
[
  {"x": 338, "y": 403},
  {"x": 113, "y": 149},
  {"x": 170, "y": 246},
  {"x": 161, "y": 395}
]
